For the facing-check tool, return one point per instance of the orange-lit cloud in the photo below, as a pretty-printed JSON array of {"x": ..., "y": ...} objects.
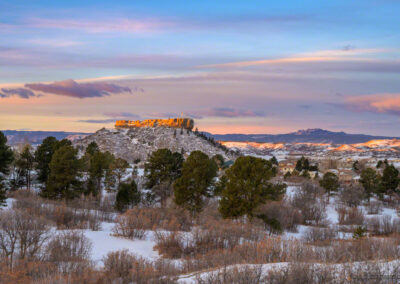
[{"x": 378, "y": 103}]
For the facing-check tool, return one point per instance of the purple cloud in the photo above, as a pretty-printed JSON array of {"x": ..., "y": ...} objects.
[
  {"x": 20, "y": 92},
  {"x": 122, "y": 114},
  {"x": 228, "y": 113},
  {"x": 70, "y": 88}
]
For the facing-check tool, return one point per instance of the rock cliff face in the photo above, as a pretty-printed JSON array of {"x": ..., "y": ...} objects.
[
  {"x": 186, "y": 123},
  {"x": 138, "y": 142}
]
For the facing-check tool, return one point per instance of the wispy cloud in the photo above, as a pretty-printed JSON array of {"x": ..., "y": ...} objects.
[
  {"x": 19, "y": 92},
  {"x": 227, "y": 113},
  {"x": 102, "y": 26},
  {"x": 54, "y": 42},
  {"x": 122, "y": 114},
  {"x": 378, "y": 103},
  {"x": 346, "y": 54},
  {"x": 70, "y": 88},
  {"x": 113, "y": 116}
]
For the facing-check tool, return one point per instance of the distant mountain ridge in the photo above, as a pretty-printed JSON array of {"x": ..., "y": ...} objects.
[
  {"x": 313, "y": 135},
  {"x": 15, "y": 137}
]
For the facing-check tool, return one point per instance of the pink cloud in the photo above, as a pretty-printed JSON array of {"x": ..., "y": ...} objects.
[
  {"x": 70, "y": 88},
  {"x": 121, "y": 25},
  {"x": 378, "y": 103}
]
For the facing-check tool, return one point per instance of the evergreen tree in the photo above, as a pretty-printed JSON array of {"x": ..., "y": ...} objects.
[
  {"x": 161, "y": 170},
  {"x": 370, "y": 180},
  {"x": 248, "y": 186},
  {"x": 92, "y": 148},
  {"x": 127, "y": 196},
  {"x": 25, "y": 163},
  {"x": 219, "y": 160},
  {"x": 63, "y": 180},
  {"x": 6, "y": 157},
  {"x": 390, "y": 179},
  {"x": 274, "y": 161},
  {"x": 198, "y": 173},
  {"x": 114, "y": 173},
  {"x": 43, "y": 155},
  {"x": 330, "y": 182},
  {"x": 302, "y": 164},
  {"x": 356, "y": 167},
  {"x": 3, "y": 196},
  {"x": 99, "y": 163},
  {"x": 16, "y": 178}
]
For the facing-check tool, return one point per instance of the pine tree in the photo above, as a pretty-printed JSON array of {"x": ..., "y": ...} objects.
[
  {"x": 63, "y": 180},
  {"x": 390, "y": 179},
  {"x": 43, "y": 155},
  {"x": 6, "y": 158},
  {"x": 25, "y": 162},
  {"x": 330, "y": 182},
  {"x": 198, "y": 173},
  {"x": 127, "y": 196},
  {"x": 162, "y": 168},
  {"x": 370, "y": 180},
  {"x": 248, "y": 186}
]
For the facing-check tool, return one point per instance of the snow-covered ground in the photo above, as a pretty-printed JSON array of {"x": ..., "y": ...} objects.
[{"x": 104, "y": 242}]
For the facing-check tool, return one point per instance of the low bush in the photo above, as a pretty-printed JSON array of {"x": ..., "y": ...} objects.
[{"x": 350, "y": 216}]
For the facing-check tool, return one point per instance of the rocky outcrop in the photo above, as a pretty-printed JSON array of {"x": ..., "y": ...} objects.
[
  {"x": 186, "y": 123},
  {"x": 138, "y": 142}
]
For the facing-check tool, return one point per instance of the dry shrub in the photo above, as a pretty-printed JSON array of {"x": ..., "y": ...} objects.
[
  {"x": 235, "y": 275},
  {"x": 350, "y": 216},
  {"x": 134, "y": 222},
  {"x": 214, "y": 235},
  {"x": 352, "y": 195},
  {"x": 25, "y": 271},
  {"x": 131, "y": 225},
  {"x": 118, "y": 264},
  {"x": 59, "y": 212},
  {"x": 70, "y": 251},
  {"x": 309, "y": 199},
  {"x": 287, "y": 216},
  {"x": 301, "y": 273},
  {"x": 22, "y": 235},
  {"x": 375, "y": 207},
  {"x": 384, "y": 225},
  {"x": 320, "y": 235},
  {"x": 124, "y": 267},
  {"x": 170, "y": 244}
]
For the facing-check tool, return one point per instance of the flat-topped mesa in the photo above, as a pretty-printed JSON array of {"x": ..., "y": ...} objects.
[{"x": 186, "y": 123}]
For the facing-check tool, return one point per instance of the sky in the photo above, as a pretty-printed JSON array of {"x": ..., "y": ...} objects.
[{"x": 233, "y": 66}]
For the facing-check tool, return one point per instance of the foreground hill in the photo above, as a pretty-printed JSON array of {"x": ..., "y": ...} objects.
[
  {"x": 137, "y": 143},
  {"x": 302, "y": 136}
]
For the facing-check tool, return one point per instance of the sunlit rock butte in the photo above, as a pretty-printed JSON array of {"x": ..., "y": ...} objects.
[{"x": 186, "y": 123}]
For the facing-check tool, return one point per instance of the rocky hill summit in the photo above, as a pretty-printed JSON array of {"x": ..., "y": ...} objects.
[
  {"x": 186, "y": 123},
  {"x": 137, "y": 143}
]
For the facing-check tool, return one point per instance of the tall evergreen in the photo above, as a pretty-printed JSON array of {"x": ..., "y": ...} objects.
[
  {"x": 6, "y": 157},
  {"x": 26, "y": 160},
  {"x": 161, "y": 170},
  {"x": 43, "y": 155},
  {"x": 330, "y": 182},
  {"x": 247, "y": 185},
  {"x": 63, "y": 181},
  {"x": 370, "y": 180},
  {"x": 198, "y": 173},
  {"x": 390, "y": 179},
  {"x": 128, "y": 195}
]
